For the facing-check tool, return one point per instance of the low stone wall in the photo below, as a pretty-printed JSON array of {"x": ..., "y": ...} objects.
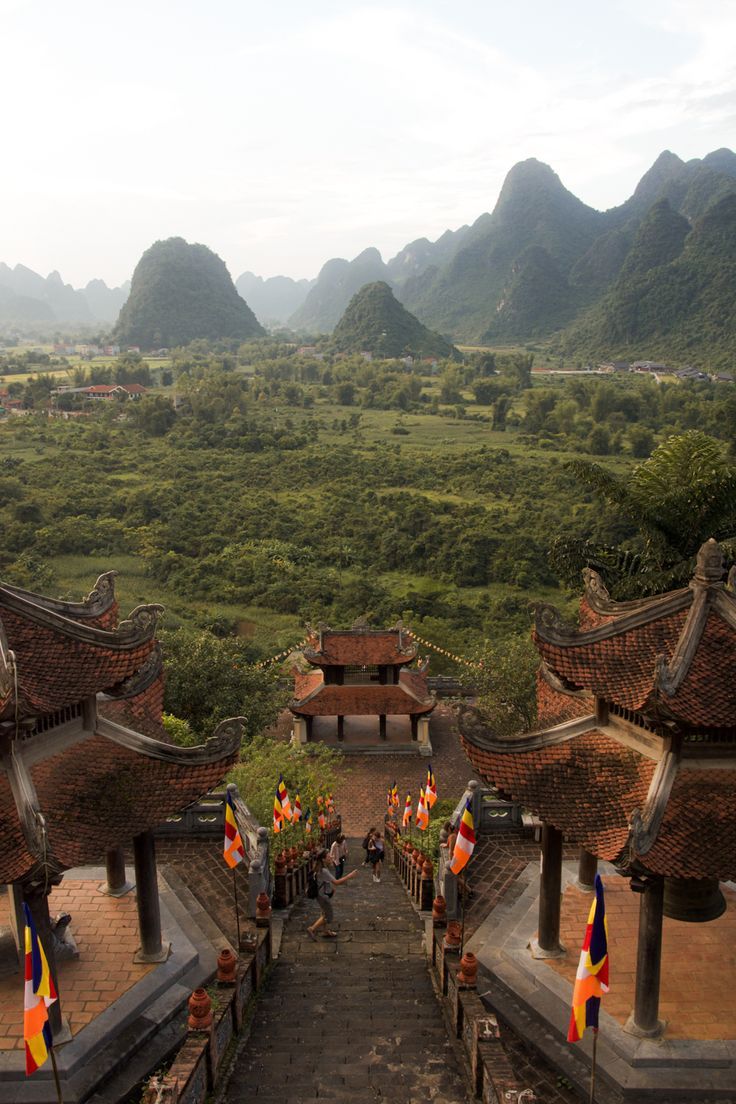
[
  {"x": 489, "y": 1070},
  {"x": 200, "y": 1065}
]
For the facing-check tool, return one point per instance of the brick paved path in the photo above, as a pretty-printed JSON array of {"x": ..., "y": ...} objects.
[{"x": 353, "y": 1019}]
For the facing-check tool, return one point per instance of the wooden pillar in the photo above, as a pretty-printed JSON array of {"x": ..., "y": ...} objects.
[
  {"x": 644, "y": 1020},
  {"x": 152, "y": 948},
  {"x": 340, "y": 727},
  {"x": 117, "y": 884},
  {"x": 414, "y": 717},
  {"x": 310, "y": 721},
  {"x": 547, "y": 943},
  {"x": 587, "y": 870},
  {"x": 382, "y": 726}
]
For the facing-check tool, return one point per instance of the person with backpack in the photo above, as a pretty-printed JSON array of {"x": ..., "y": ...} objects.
[
  {"x": 375, "y": 855},
  {"x": 320, "y": 887},
  {"x": 366, "y": 845}
]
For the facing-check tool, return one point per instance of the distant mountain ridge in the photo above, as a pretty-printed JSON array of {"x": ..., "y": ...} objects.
[
  {"x": 539, "y": 261},
  {"x": 27, "y": 297}
]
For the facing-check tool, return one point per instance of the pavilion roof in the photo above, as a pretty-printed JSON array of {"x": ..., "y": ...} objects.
[
  {"x": 313, "y": 697},
  {"x": 69, "y": 788},
  {"x": 672, "y": 656},
  {"x": 653, "y": 789},
  {"x": 358, "y": 647}
]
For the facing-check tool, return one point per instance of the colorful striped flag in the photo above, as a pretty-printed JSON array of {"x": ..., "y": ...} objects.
[
  {"x": 39, "y": 993},
  {"x": 591, "y": 980},
  {"x": 330, "y": 804},
  {"x": 465, "y": 841},
  {"x": 422, "y": 812},
  {"x": 431, "y": 788},
  {"x": 234, "y": 852},
  {"x": 307, "y": 820},
  {"x": 321, "y": 820},
  {"x": 278, "y": 813},
  {"x": 395, "y": 795},
  {"x": 406, "y": 819},
  {"x": 284, "y": 799},
  {"x": 297, "y": 809}
]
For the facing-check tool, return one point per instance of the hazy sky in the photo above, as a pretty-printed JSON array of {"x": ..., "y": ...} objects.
[{"x": 285, "y": 134}]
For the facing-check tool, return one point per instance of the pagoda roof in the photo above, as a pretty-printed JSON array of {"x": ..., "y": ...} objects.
[
  {"x": 360, "y": 646},
  {"x": 652, "y": 787},
  {"x": 54, "y": 654},
  {"x": 313, "y": 697},
  {"x": 672, "y": 656},
  {"x": 73, "y": 784}
]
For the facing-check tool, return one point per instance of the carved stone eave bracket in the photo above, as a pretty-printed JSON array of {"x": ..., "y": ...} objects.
[
  {"x": 474, "y": 729},
  {"x": 556, "y": 683},
  {"x": 46, "y": 869},
  {"x": 550, "y": 626},
  {"x": 222, "y": 745},
  {"x": 668, "y": 676},
  {"x": 139, "y": 681},
  {"x": 646, "y": 822},
  {"x": 7, "y": 668},
  {"x": 140, "y": 625}
]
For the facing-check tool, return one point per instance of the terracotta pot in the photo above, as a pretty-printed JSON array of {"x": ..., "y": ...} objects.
[
  {"x": 280, "y": 863},
  {"x": 453, "y": 936},
  {"x": 200, "y": 1011},
  {"x": 263, "y": 908},
  {"x": 226, "y": 964},
  {"x": 427, "y": 869},
  {"x": 439, "y": 908},
  {"x": 468, "y": 969}
]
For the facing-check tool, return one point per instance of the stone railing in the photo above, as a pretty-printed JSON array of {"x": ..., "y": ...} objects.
[
  {"x": 216, "y": 1016},
  {"x": 413, "y": 867}
]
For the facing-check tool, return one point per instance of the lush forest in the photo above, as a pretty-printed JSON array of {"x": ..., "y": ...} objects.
[{"x": 256, "y": 488}]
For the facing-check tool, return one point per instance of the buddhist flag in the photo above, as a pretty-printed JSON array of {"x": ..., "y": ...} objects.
[
  {"x": 591, "y": 980},
  {"x": 278, "y": 813},
  {"x": 307, "y": 820},
  {"x": 431, "y": 788},
  {"x": 465, "y": 841},
  {"x": 321, "y": 820},
  {"x": 395, "y": 795},
  {"x": 234, "y": 851},
  {"x": 297, "y": 809},
  {"x": 284, "y": 799},
  {"x": 39, "y": 994},
  {"x": 422, "y": 812},
  {"x": 330, "y": 804},
  {"x": 406, "y": 819}
]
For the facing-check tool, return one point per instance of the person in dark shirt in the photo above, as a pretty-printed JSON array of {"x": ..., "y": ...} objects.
[{"x": 326, "y": 882}]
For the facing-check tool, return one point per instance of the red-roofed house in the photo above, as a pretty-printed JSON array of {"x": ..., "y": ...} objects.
[{"x": 361, "y": 672}]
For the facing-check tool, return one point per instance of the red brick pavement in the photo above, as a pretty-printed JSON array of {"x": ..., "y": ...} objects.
[
  {"x": 106, "y": 931},
  {"x": 697, "y": 993}
]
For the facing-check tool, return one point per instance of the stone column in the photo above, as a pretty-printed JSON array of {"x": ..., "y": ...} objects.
[
  {"x": 382, "y": 726},
  {"x": 152, "y": 948},
  {"x": 587, "y": 870},
  {"x": 423, "y": 730},
  {"x": 310, "y": 725},
  {"x": 300, "y": 731},
  {"x": 547, "y": 944},
  {"x": 414, "y": 718},
  {"x": 644, "y": 1020},
  {"x": 340, "y": 727},
  {"x": 117, "y": 884},
  {"x": 37, "y": 899}
]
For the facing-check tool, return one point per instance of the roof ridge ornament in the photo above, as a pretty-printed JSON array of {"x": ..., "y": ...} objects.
[
  {"x": 547, "y": 618},
  {"x": 595, "y": 588},
  {"x": 141, "y": 622},
  {"x": 709, "y": 565},
  {"x": 103, "y": 592}
]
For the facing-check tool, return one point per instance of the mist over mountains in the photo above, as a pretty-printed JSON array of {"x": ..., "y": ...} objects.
[
  {"x": 657, "y": 270},
  {"x": 27, "y": 297}
]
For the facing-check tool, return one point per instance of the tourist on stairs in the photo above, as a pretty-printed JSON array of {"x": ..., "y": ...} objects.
[
  {"x": 326, "y": 882},
  {"x": 375, "y": 855}
]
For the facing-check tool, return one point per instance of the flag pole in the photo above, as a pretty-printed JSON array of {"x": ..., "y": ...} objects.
[
  {"x": 56, "y": 1074},
  {"x": 237, "y": 911},
  {"x": 592, "y": 1066}
]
